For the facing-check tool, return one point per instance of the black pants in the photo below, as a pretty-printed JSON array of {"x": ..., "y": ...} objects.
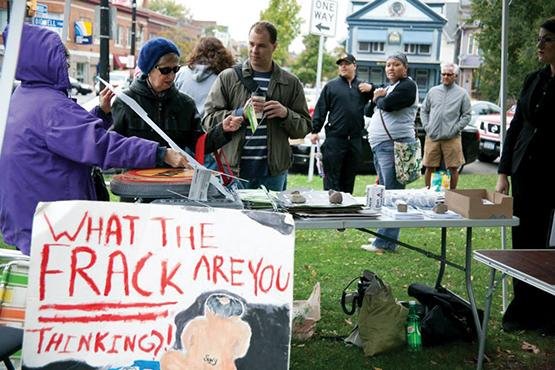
[
  {"x": 531, "y": 306},
  {"x": 341, "y": 157}
]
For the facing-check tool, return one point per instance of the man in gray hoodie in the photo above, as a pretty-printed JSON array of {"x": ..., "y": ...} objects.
[{"x": 444, "y": 113}]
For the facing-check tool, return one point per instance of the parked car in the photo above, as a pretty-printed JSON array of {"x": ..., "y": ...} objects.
[
  {"x": 490, "y": 134},
  {"x": 119, "y": 79},
  {"x": 78, "y": 87}
]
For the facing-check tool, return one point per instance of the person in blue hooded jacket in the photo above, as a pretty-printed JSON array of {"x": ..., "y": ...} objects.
[{"x": 51, "y": 143}]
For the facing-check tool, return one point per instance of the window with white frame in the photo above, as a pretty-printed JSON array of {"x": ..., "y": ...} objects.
[
  {"x": 472, "y": 45},
  {"x": 362, "y": 73},
  {"x": 418, "y": 49},
  {"x": 120, "y": 36},
  {"x": 376, "y": 76},
  {"x": 421, "y": 78},
  {"x": 371, "y": 47}
]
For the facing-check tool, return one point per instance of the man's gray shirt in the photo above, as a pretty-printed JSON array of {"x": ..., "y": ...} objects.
[{"x": 445, "y": 111}]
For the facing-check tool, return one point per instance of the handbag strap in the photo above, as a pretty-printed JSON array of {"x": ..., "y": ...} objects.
[
  {"x": 200, "y": 149},
  {"x": 227, "y": 169},
  {"x": 385, "y": 128},
  {"x": 387, "y": 131}
]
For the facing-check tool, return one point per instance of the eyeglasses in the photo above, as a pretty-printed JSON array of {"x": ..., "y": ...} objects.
[
  {"x": 448, "y": 74},
  {"x": 168, "y": 70},
  {"x": 545, "y": 40}
]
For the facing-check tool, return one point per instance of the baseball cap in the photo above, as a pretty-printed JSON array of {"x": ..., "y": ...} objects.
[{"x": 349, "y": 58}]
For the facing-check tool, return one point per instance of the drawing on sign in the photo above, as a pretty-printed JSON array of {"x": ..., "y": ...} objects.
[
  {"x": 120, "y": 286},
  {"x": 199, "y": 339}
]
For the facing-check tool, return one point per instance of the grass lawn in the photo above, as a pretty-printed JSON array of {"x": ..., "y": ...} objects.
[{"x": 333, "y": 258}]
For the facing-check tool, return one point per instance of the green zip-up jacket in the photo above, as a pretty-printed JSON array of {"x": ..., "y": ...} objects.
[{"x": 228, "y": 93}]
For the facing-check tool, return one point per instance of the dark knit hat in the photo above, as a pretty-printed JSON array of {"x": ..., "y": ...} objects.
[
  {"x": 549, "y": 25},
  {"x": 153, "y": 50},
  {"x": 400, "y": 57}
]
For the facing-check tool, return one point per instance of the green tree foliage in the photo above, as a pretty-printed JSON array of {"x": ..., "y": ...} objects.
[
  {"x": 525, "y": 16},
  {"x": 305, "y": 66},
  {"x": 284, "y": 14},
  {"x": 169, "y": 7}
]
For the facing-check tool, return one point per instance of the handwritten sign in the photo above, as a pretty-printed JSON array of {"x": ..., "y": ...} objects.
[{"x": 117, "y": 285}]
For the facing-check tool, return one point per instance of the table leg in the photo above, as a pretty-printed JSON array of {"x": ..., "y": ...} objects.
[
  {"x": 468, "y": 272},
  {"x": 484, "y": 333},
  {"x": 504, "y": 283},
  {"x": 443, "y": 257}
]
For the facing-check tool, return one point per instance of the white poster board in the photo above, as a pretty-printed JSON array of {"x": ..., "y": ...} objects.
[{"x": 116, "y": 285}]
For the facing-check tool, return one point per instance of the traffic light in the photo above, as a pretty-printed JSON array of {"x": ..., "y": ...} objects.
[{"x": 31, "y": 7}]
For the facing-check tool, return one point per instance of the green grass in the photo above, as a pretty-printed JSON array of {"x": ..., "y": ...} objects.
[{"x": 333, "y": 258}]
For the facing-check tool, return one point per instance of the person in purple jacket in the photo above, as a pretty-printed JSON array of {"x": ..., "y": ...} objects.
[{"x": 50, "y": 142}]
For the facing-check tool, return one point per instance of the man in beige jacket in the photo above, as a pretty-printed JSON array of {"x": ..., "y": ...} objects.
[{"x": 262, "y": 157}]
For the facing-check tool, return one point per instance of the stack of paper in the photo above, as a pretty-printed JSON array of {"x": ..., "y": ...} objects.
[{"x": 411, "y": 214}]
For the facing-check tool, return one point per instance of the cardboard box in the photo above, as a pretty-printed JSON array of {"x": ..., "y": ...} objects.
[{"x": 479, "y": 203}]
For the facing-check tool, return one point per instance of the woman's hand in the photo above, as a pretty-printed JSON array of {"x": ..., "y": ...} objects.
[
  {"x": 379, "y": 92},
  {"x": 105, "y": 100},
  {"x": 502, "y": 184},
  {"x": 232, "y": 123},
  {"x": 176, "y": 159}
]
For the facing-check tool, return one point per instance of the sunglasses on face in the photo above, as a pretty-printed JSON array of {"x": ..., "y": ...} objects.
[
  {"x": 448, "y": 74},
  {"x": 168, "y": 70}
]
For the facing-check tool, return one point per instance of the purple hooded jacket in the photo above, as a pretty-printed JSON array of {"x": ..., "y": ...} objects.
[{"x": 50, "y": 142}]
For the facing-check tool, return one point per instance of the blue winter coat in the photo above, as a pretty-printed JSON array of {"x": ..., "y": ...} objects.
[{"x": 50, "y": 142}]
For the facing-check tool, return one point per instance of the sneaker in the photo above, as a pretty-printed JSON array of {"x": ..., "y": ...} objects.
[{"x": 372, "y": 248}]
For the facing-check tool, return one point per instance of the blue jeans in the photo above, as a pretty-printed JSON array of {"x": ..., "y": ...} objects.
[
  {"x": 384, "y": 161},
  {"x": 275, "y": 183}
]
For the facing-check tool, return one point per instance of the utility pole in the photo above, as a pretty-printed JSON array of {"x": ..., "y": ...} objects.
[
  {"x": 133, "y": 30},
  {"x": 104, "y": 41}
]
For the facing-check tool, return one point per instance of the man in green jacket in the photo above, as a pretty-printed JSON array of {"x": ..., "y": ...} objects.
[{"x": 262, "y": 157}]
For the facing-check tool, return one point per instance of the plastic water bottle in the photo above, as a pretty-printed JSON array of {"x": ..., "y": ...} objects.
[{"x": 414, "y": 338}]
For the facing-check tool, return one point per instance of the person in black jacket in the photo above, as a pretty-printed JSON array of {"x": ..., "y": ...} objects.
[
  {"x": 344, "y": 98},
  {"x": 174, "y": 112},
  {"x": 526, "y": 148}
]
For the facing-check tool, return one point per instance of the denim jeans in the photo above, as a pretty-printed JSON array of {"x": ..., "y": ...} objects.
[
  {"x": 275, "y": 183},
  {"x": 384, "y": 161}
]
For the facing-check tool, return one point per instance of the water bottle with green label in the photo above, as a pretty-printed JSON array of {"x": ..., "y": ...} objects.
[{"x": 414, "y": 339}]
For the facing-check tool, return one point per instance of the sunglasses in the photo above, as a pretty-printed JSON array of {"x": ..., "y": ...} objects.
[
  {"x": 168, "y": 70},
  {"x": 448, "y": 74}
]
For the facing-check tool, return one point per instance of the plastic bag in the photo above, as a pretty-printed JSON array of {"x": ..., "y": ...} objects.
[
  {"x": 440, "y": 180},
  {"x": 305, "y": 315}
]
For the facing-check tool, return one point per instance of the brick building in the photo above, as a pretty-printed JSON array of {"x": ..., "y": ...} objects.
[{"x": 83, "y": 32}]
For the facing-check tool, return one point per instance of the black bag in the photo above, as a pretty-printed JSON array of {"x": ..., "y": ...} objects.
[
  {"x": 446, "y": 318},
  {"x": 99, "y": 185}
]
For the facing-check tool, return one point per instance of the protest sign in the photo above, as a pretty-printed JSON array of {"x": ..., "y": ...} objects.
[{"x": 116, "y": 285}]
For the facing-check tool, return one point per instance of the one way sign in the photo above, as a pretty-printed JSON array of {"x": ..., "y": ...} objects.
[{"x": 323, "y": 17}]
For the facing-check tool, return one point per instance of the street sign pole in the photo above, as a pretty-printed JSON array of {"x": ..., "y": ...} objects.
[
  {"x": 318, "y": 88},
  {"x": 323, "y": 21},
  {"x": 67, "y": 11},
  {"x": 104, "y": 63},
  {"x": 9, "y": 63}
]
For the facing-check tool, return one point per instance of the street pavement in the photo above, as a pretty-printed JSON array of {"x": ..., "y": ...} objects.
[{"x": 480, "y": 168}]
